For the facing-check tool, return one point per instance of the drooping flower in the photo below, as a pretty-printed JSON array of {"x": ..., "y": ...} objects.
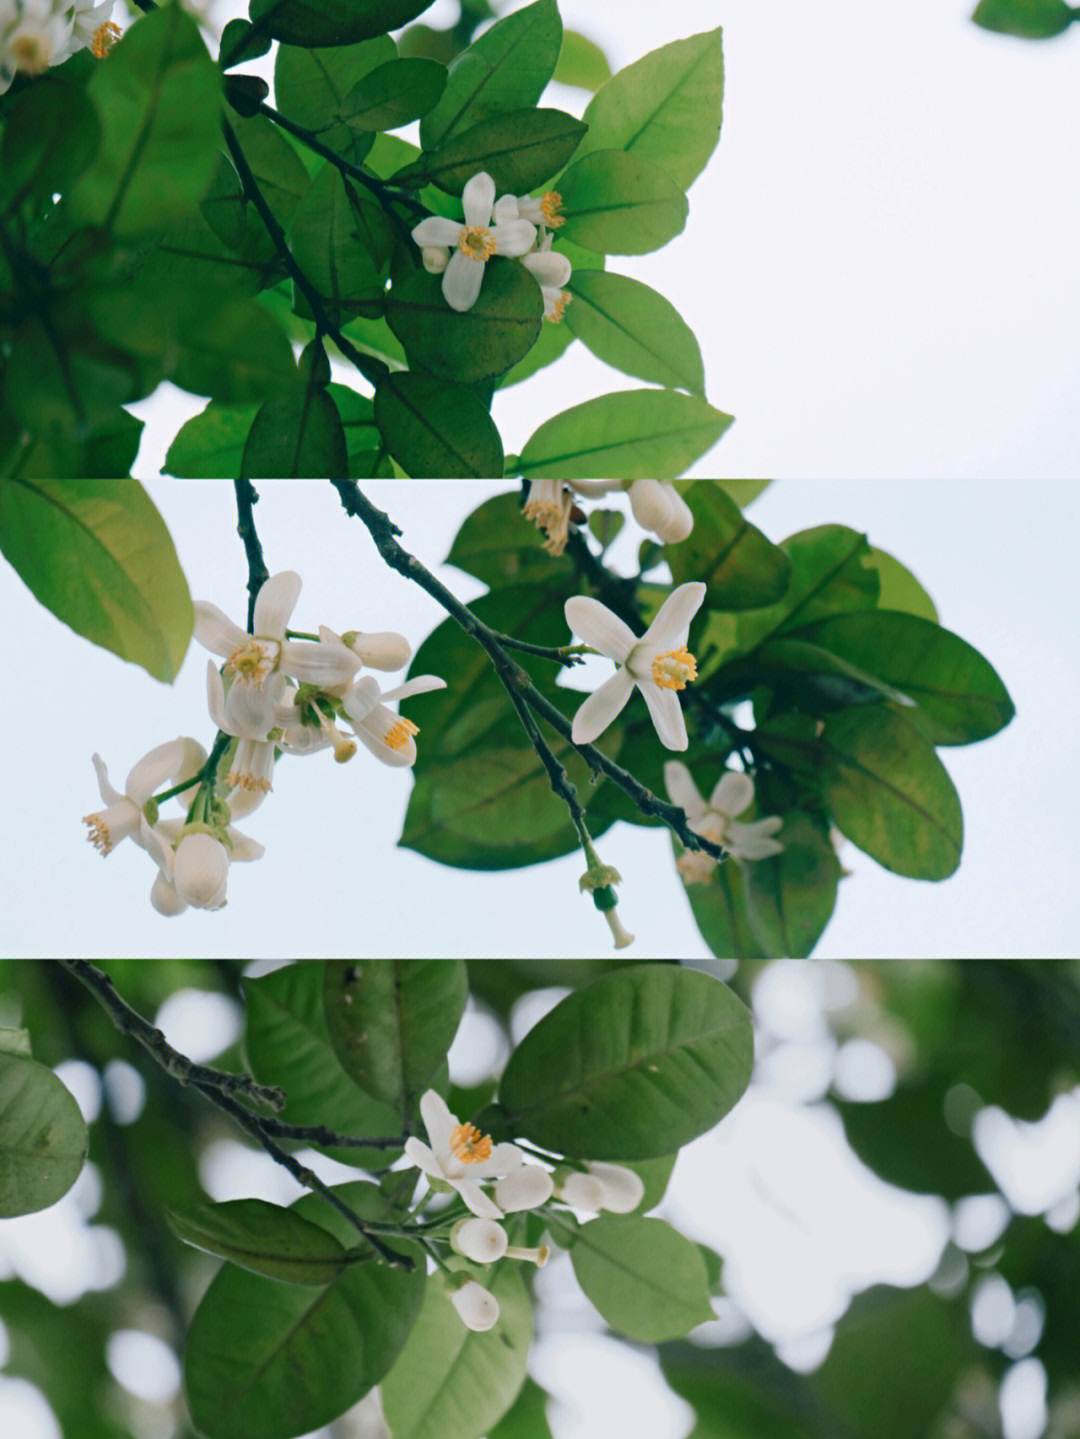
[
  {"x": 550, "y": 503},
  {"x": 545, "y": 211},
  {"x": 253, "y": 763},
  {"x": 551, "y": 271},
  {"x": 658, "y": 664},
  {"x": 474, "y": 242},
  {"x": 658, "y": 506},
  {"x": 602, "y": 1186},
  {"x": 481, "y": 1240},
  {"x": 478, "y": 1309},
  {"x": 714, "y": 820},
  {"x": 123, "y": 818},
  {"x": 460, "y": 1156},
  {"x": 199, "y": 865},
  {"x": 37, "y": 36},
  {"x": 389, "y": 736}
]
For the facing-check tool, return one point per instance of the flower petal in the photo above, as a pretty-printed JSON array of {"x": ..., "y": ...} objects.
[
  {"x": 215, "y": 631},
  {"x": 108, "y": 794},
  {"x": 275, "y": 603},
  {"x": 733, "y": 793},
  {"x": 476, "y": 1200},
  {"x": 244, "y": 847},
  {"x": 462, "y": 280},
  {"x": 249, "y": 710},
  {"x": 164, "y": 897},
  {"x": 549, "y": 268},
  {"x": 372, "y": 734},
  {"x": 506, "y": 208},
  {"x": 422, "y": 1157},
  {"x": 438, "y": 1121},
  {"x": 477, "y": 198},
  {"x": 514, "y": 238},
  {"x": 602, "y": 707},
  {"x": 503, "y": 1159},
  {"x": 324, "y": 665},
  {"x": 437, "y": 230},
  {"x": 361, "y": 698},
  {"x": 671, "y": 626},
  {"x": 163, "y": 763},
  {"x": 215, "y": 695},
  {"x": 682, "y": 790},
  {"x": 421, "y": 685},
  {"x": 666, "y": 714},
  {"x": 600, "y": 627}
]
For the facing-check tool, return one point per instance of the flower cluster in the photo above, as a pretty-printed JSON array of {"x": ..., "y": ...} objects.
[
  {"x": 715, "y": 820},
  {"x": 519, "y": 231},
  {"x": 273, "y": 695},
  {"x": 656, "y": 505},
  {"x": 460, "y": 1159},
  {"x": 35, "y": 34}
]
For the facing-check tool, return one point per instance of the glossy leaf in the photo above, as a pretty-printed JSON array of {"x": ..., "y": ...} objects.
[
  {"x": 98, "y": 554},
  {"x": 581, "y": 62},
  {"x": 480, "y": 342},
  {"x": 741, "y": 568},
  {"x": 664, "y": 108},
  {"x": 630, "y": 1066},
  {"x": 720, "y": 912},
  {"x": 297, "y": 433},
  {"x": 619, "y": 204},
  {"x": 263, "y": 1238},
  {"x": 157, "y": 95},
  {"x": 391, "y": 1023},
  {"x": 43, "y": 1136},
  {"x": 790, "y": 897},
  {"x": 506, "y": 68},
  {"x": 212, "y": 444},
  {"x": 451, "y": 1380},
  {"x": 906, "y": 1141},
  {"x": 632, "y": 434},
  {"x": 518, "y": 150},
  {"x": 900, "y": 590},
  {"x": 393, "y": 94},
  {"x": 435, "y": 429},
  {"x": 236, "y": 353},
  {"x": 629, "y": 326},
  {"x": 647, "y": 1280},
  {"x": 342, "y": 242},
  {"x": 499, "y": 546},
  {"x": 1029, "y": 19},
  {"x": 526, "y": 1418},
  {"x": 51, "y": 135},
  {"x": 300, "y": 1357},
  {"x": 311, "y": 86},
  {"x": 331, "y": 22}
]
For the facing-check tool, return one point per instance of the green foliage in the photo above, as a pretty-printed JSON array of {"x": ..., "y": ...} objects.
[
  {"x": 629, "y": 1066},
  {"x": 331, "y": 22},
  {"x": 393, "y": 94},
  {"x": 618, "y": 204},
  {"x": 42, "y": 1136},
  {"x": 1030, "y": 19},
  {"x": 628, "y": 325},
  {"x": 740, "y": 567},
  {"x": 264, "y": 1238},
  {"x": 790, "y": 897},
  {"x": 518, "y": 150},
  {"x": 647, "y": 1281},
  {"x": 435, "y": 428},
  {"x": 312, "y": 87},
  {"x": 97, "y": 553},
  {"x": 633, "y": 434}
]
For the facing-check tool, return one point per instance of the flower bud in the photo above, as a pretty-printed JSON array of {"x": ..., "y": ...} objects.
[
  {"x": 481, "y": 1240},
  {"x": 200, "y": 870},
  {"x": 650, "y": 501},
  {"x": 435, "y": 258},
  {"x": 525, "y": 1188},
  {"x": 623, "y": 1189},
  {"x": 383, "y": 651},
  {"x": 164, "y": 897},
  {"x": 581, "y": 1191},
  {"x": 681, "y": 523},
  {"x": 477, "y": 1309}
]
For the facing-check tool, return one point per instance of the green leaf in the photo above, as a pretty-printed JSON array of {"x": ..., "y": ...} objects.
[
  {"x": 98, "y": 554},
  {"x": 632, "y": 434},
  {"x": 263, "y": 1238},
  {"x": 239, "y": 42},
  {"x": 1029, "y": 19},
  {"x": 287, "y": 1043},
  {"x": 16, "y": 1041},
  {"x": 43, "y": 1136},
  {"x": 331, "y": 22},
  {"x": 518, "y": 150},
  {"x": 900, "y": 590},
  {"x": 506, "y": 68},
  {"x": 342, "y": 242},
  {"x": 450, "y": 1380},
  {"x": 905, "y": 1140},
  {"x": 790, "y": 897},
  {"x": 361, "y": 437},
  {"x": 664, "y": 108},
  {"x": 887, "y": 790},
  {"x": 278, "y": 170},
  {"x": 631, "y": 1066},
  {"x": 628, "y": 325},
  {"x": 300, "y": 1358},
  {"x": 435, "y": 429},
  {"x": 393, "y": 94},
  {"x": 720, "y": 912},
  {"x": 581, "y": 63},
  {"x": 655, "y": 1175},
  {"x": 235, "y": 354},
  {"x": 391, "y": 1023},
  {"x": 51, "y": 135},
  {"x": 157, "y": 95},
  {"x": 647, "y": 1281},
  {"x": 619, "y": 204},
  {"x": 554, "y": 340},
  {"x": 499, "y": 546},
  {"x": 958, "y": 693},
  {"x": 310, "y": 87},
  {"x": 527, "y": 1418},
  {"x": 741, "y": 568},
  {"x": 475, "y": 344},
  {"x": 297, "y": 433},
  {"x": 212, "y": 444}
]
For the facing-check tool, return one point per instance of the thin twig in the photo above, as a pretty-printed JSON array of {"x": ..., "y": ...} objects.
[
  {"x": 328, "y": 1138},
  {"x": 258, "y": 574}
]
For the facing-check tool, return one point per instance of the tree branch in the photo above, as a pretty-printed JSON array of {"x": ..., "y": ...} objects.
[{"x": 246, "y": 499}]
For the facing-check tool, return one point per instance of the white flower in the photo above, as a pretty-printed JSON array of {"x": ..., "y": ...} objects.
[
  {"x": 474, "y": 242},
  {"x": 545, "y": 212},
  {"x": 715, "y": 821},
  {"x": 38, "y": 36},
  {"x": 658, "y": 663},
  {"x": 478, "y": 1309},
  {"x": 253, "y": 763},
  {"x": 199, "y": 868},
  {"x": 170, "y": 763},
  {"x": 460, "y": 1155},
  {"x": 581, "y": 1191},
  {"x": 551, "y": 272},
  {"x": 550, "y": 503},
  {"x": 481, "y": 1240},
  {"x": 389, "y": 736},
  {"x": 658, "y": 506},
  {"x": 92, "y": 27},
  {"x": 524, "y": 1188},
  {"x": 384, "y": 650},
  {"x": 435, "y": 258},
  {"x": 602, "y": 1186},
  {"x": 253, "y": 659}
]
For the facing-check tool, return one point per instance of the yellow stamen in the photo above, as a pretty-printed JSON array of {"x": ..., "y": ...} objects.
[
  {"x": 397, "y": 736},
  {"x": 674, "y": 670},
  {"x": 476, "y": 242},
  {"x": 550, "y": 205},
  {"x": 695, "y": 866},
  {"x": 105, "y": 37},
  {"x": 31, "y": 56},
  {"x": 99, "y": 835},
  {"x": 558, "y": 307},
  {"x": 250, "y": 662},
  {"x": 247, "y": 781},
  {"x": 468, "y": 1145}
]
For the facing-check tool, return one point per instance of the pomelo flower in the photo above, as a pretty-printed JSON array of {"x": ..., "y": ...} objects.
[
  {"x": 550, "y": 502},
  {"x": 92, "y": 27},
  {"x": 481, "y": 1240},
  {"x": 551, "y": 271},
  {"x": 524, "y": 1188},
  {"x": 658, "y": 507},
  {"x": 714, "y": 820},
  {"x": 389, "y": 736},
  {"x": 37, "y": 35},
  {"x": 253, "y": 763},
  {"x": 474, "y": 242},
  {"x": 658, "y": 664},
  {"x": 460, "y": 1156},
  {"x": 544, "y": 211},
  {"x": 477, "y": 1309},
  {"x": 123, "y": 817},
  {"x": 199, "y": 865},
  {"x": 602, "y": 1186}
]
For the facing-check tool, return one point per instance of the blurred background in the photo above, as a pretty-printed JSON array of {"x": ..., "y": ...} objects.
[
  {"x": 891, "y": 1208},
  {"x": 879, "y": 259}
]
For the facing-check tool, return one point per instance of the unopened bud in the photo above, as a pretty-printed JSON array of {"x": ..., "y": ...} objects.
[
  {"x": 481, "y": 1240},
  {"x": 477, "y": 1309}
]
